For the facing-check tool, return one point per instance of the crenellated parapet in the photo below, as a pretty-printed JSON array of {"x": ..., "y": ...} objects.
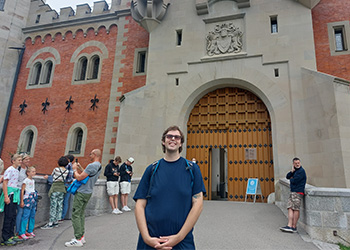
[{"x": 44, "y": 22}]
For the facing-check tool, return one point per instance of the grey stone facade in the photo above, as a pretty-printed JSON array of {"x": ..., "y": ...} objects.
[
  {"x": 13, "y": 18},
  {"x": 308, "y": 109}
]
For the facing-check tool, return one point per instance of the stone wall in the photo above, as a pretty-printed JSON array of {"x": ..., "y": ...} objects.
[
  {"x": 97, "y": 205},
  {"x": 323, "y": 211}
]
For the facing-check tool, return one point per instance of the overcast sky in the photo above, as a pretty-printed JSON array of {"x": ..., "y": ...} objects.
[{"x": 58, "y": 4}]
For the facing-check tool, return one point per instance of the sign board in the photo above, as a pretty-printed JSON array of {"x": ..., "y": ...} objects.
[
  {"x": 250, "y": 153},
  {"x": 253, "y": 188}
]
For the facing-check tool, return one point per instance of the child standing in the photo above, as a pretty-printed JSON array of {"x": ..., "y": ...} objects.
[
  {"x": 28, "y": 203},
  {"x": 9, "y": 200},
  {"x": 56, "y": 193}
]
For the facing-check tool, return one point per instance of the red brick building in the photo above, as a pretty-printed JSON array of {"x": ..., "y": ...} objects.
[
  {"x": 70, "y": 78},
  {"x": 331, "y": 33}
]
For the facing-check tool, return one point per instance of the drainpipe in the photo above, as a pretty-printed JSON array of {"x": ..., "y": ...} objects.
[{"x": 11, "y": 95}]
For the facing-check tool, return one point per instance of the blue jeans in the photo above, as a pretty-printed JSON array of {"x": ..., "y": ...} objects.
[
  {"x": 65, "y": 204},
  {"x": 28, "y": 214},
  {"x": 19, "y": 218}
]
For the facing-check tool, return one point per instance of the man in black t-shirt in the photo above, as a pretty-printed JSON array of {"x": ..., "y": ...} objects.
[
  {"x": 112, "y": 173},
  {"x": 125, "y": 182}
]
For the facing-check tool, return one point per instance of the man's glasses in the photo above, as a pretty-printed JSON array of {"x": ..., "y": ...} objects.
[{"x": 176, "y": 137}]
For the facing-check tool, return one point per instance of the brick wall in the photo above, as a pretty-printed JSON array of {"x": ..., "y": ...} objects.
[
  {"x": 329, "y": 11},
  {"x": 53, "y": 126}
]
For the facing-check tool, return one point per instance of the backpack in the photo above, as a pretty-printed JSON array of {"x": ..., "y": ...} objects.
[
  {"x": 73, "y": 188},
  {"x": 155, "y": 167}
]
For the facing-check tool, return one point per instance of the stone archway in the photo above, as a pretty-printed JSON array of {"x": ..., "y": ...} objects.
[{"x": 237, "y": 123}]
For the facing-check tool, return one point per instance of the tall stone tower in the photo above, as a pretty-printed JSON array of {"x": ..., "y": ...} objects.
[{"x": 13, "y": 17}]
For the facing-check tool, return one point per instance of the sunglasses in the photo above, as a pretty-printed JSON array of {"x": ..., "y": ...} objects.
[{"x": 176, "y": 137}]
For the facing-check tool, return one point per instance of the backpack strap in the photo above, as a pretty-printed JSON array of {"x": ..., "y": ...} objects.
[
  {"x": 61, "y": 175},
  {"x": 96, "y": 172},
  {"x": 155, "y": 166},
  {"x": 154, "y": 169},
  {"x": 190, "y": 168}
]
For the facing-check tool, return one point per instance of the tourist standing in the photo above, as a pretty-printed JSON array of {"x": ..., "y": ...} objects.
[
  {"x": 9, "y": 200},
  {"x": 112, "y": 173},
  {"x": 125, "y": 182},
  {"x": 297, "y": 179},
  {"x": 169, "y": 198},
  {"x": 82, "y": 197}
]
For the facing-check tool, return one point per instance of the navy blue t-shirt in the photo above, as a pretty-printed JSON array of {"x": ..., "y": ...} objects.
[{"x": 170, "y": 199}]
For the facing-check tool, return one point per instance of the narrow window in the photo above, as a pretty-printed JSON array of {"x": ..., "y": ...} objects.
[
  {"x": 2, "y": 5},
  {"x": 47, "y": 72},
  {"x": 30, "y": 136},
  {"x": 77, "y": 141},
  {"x": 95, "y": 67},
  {"x": 277, "y": 73},
  {"x": 36, "y": 74},
  {"x": 339, "y": 39},
  {"x": 274, "y": 25},
  {"x": 82, "y": 68},
  {"x": 177, "y": 81},
  {"x": 26, "y": 147},
  {"x": 141, "y": 62},
  {"x": 178, "y": 37},
  {"x": 37, "y": 19}
]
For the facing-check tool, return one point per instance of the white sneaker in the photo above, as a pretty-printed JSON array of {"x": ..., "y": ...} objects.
[
  {"x": 126, "y": 209},
  {"x": 117, "y": 211},
  {"x": 83, "y": 239},
  {"x": 74, "y": 243}
]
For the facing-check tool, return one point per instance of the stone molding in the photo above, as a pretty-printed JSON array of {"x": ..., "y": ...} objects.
[{"x": 202, "y": 6}]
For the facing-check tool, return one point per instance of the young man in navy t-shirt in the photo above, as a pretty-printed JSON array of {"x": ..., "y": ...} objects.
[{"x": 169, "y": 205}]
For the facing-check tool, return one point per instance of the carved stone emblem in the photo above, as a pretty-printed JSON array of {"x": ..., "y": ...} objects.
[{"x": 226, "y": 38}]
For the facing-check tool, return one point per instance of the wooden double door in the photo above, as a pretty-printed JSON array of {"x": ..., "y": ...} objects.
[{"x": 229, "y": 134}]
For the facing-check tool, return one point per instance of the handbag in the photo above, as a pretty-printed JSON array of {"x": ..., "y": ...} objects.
[{"x": 76, "y": 184}]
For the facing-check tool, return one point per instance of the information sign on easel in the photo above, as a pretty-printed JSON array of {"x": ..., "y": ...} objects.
[{"x": 253, "y": 188}]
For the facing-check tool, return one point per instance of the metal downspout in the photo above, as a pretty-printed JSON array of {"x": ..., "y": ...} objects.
[{"x": 19, "y": 63}]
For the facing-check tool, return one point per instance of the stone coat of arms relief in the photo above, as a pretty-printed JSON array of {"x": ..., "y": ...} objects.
[{"x": 226, "y": 38}]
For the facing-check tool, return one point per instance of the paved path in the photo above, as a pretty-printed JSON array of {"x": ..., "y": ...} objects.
[{"x": 222, "y": 225}]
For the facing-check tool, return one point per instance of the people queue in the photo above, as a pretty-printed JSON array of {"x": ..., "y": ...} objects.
[{"x": 19, "y": 198}]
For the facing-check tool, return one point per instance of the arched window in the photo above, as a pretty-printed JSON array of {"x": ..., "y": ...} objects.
[
  {"x": 47, "y": 72},
  {"x": 27, "y": 143},
  {"x": 88, "y": 65},
  {"x": 95, "y": 62},
  {"x": 41, "y": 71},
  {"x": 27, "y": 140},
  {"x": 36, "y": 74},
  {"x": 82, "y": 66},
  {"x": 76, "y": 139}
]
